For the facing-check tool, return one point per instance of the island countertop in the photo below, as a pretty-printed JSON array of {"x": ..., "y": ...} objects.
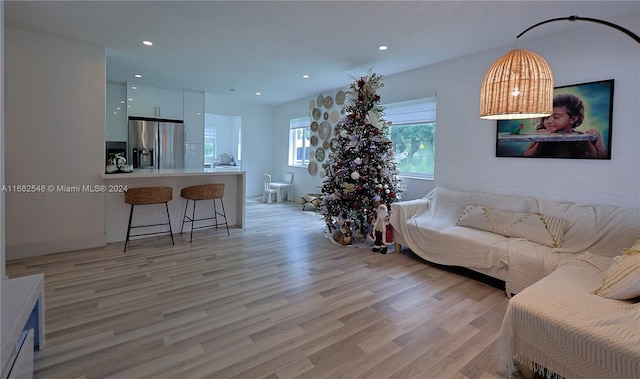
[
  {"x": 117, "y": 212},
  {"x": 174, "y": 172}
]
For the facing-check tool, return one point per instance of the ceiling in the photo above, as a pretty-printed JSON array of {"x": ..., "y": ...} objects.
[{"x": 238, "y": 48}]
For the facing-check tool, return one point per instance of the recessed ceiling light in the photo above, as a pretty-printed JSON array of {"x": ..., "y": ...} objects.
[
  {"x": 383, "y": 47},
  {"x": 138, "y": 75},
  {"x": 306, "y": 76},
  {"x": 133, "y": 87},
  {"x": 258, "y": 93},
  {"x": 147, "y": 43}
]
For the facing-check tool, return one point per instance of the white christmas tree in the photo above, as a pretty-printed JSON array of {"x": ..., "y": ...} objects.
[{"x": 361, "y": 173}]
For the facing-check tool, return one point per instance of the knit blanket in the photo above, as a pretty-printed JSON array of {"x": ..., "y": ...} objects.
[
  {"x": 428, "y": 227},
  {"x": 558, "y": 324},
  {"x": 599, "y": 229}
]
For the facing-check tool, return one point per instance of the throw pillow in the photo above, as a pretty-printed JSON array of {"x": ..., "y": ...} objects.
[
  {"x": 535, "y": 227},
  {"x": 622, "y": 281}
]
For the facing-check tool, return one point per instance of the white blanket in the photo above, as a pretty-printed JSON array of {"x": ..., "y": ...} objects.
[
  {"x": 427, "y": 227},
  {"x": 559, "y": 325}
]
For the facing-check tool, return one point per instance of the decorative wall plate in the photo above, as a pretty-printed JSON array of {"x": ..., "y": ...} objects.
[
  {"x": 325, "y": 145},
  {"x": 316, "y": 113},
  {"x": 312, "y": 168},
  {"x": 314, "y": 126},
  {"x": 324, "y": 129},
  {"x": 340, "y": 97},
  {"x": 328, "y": 102},
  {"x": 325, "y": 115},
  {"x": 314, "y": 140},
  {"x": 334, "y": 116},
  {"x": 321, "y": 174},
  {"x": 334, "y": 144},
  {"x": 320, "y": 100},
  {"x": 319, "y": 154},
  {"x": 312, "y": 104}
]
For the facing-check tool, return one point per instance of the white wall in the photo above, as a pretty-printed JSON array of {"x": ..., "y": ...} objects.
[
  {"x": 257, "y": 136},
  {"x": 465, "y": 144},
  {"x": 2, "y": 160},
  {"x": 55, "y": 131}
]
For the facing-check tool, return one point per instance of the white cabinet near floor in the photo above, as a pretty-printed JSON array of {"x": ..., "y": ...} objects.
[
  {"x": 22, "y": 331},
  {"x": 155, "y": 102}
]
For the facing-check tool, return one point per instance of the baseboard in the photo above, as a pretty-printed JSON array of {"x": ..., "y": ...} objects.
[{"x": 32, "y": 249}]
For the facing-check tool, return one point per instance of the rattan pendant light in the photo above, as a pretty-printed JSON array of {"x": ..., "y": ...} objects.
[{"x": 520, "y": 83}]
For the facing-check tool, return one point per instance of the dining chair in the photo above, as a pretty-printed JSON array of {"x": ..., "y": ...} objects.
[{"x": 284, "y": 188}]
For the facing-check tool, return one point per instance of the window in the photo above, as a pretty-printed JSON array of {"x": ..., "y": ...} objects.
[
  {"x": 299, "y": 141},
  {"x": 413, "y": 129},
  {"x": 210, "y": 153}
]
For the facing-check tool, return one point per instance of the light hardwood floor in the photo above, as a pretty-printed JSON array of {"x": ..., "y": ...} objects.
[{"x": 275, "y": 300}]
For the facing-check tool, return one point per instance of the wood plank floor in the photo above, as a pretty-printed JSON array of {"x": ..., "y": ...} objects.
[{"x": 274, "y": 300}]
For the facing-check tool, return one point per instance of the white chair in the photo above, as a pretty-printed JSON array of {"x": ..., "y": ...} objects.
[
  {"x": 284, "y": 188},
  {"x": 268, "y": 192}
]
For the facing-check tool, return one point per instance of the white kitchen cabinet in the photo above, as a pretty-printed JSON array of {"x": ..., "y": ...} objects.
[
  {"x": 155, "y": 102},
  {"x": 194, "y": 116},
  {"x": 193, "y": 155},
  {"x": 116, "y": 112}
]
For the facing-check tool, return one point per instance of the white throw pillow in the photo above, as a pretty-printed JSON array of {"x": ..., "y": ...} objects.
[
  {"x": 622, "y": 281},
  {"x": 535, "y": 227}
]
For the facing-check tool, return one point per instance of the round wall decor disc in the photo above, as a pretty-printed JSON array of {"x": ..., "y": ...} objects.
[
  {"x": 324, "y": 129},
  {"x": 312, "y": 168},
  {"x": 328, "y": 102}
]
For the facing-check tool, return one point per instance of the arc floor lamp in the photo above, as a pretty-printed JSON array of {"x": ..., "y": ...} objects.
[{"x": 520, "y": 83}]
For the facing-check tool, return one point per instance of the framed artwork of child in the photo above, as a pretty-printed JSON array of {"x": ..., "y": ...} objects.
[{"x": 579, "y": 128}]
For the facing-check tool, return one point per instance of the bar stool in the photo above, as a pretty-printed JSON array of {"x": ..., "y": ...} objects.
[
  {"x": 203, "y": 192},
  {"x": 145, "y": 196}
]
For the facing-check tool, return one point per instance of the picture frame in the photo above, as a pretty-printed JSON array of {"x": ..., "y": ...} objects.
[{"x": 587, "y": 137}]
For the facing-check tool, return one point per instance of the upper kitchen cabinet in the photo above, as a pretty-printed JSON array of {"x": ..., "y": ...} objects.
[
  {"x": 194, "y": 116},
  {"x": 194, "y": 129},
  {"x": 155, "y": 102},
  {"x": 116, "y": 112}
]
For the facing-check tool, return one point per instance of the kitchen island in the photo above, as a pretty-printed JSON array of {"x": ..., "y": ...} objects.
[{"x": 117, "y": 211}]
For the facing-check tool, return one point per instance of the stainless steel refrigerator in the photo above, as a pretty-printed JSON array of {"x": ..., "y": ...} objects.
[{"x": 156, "y": 143}]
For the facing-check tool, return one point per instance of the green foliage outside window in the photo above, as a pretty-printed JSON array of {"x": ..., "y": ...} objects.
[
  {"x": 413, "y": 147},
  {"x": 209, "y": 149}
]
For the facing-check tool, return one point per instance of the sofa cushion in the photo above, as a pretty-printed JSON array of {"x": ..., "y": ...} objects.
[
  {"x": 535, "y": 227},
  {"x": 622, "y": 281}
]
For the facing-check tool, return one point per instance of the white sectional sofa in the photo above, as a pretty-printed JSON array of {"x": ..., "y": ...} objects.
[
  {"x": 518, "y": 239},
  {"x": 575, "y": 270},
  {"x": 582, "y": 321}
]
